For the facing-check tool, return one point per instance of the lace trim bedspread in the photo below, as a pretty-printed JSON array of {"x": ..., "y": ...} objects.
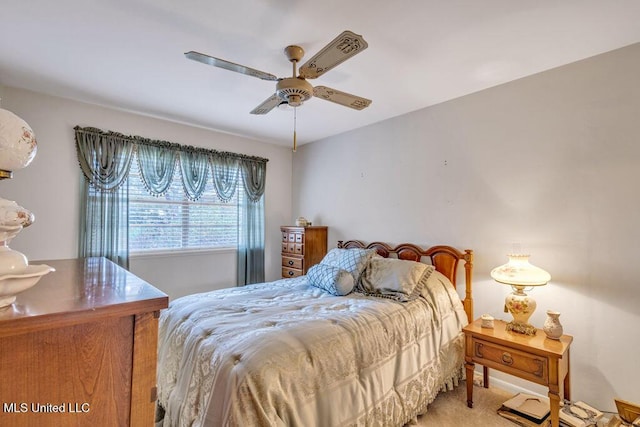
[{"x": 288, "y": 354}]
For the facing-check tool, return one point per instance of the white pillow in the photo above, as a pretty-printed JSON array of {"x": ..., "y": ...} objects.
[{"x": 394, "y": 278}]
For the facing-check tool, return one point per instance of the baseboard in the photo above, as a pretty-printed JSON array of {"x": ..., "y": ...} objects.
[{"x": 513, "y": 388}]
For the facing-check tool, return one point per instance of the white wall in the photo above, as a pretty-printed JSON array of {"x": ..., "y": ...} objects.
[
  {"x": 204, "y": 271},
  {"x": 50, "y": 188},
  {"x": 550, "y": 162}
]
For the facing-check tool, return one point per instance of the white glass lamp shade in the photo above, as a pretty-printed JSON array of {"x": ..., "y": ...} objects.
[
  {"x": 519, "y": 273},
  {"x": 17, "y": 142}
]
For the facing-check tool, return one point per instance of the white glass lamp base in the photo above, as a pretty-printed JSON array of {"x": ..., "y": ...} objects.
[{"x": 521, "y": 306}]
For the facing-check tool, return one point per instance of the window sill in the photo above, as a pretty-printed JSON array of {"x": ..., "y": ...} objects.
[{"x": 179, "y": 253}]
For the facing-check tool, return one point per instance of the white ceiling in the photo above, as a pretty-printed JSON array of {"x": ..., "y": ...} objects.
[{"x": 128, "y": 54}]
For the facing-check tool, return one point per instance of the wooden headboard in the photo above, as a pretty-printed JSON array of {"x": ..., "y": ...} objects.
[{"x": 443, "y": 258}]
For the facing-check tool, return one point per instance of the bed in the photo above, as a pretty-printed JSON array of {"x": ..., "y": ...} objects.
[{"x": 289, "y": 353}]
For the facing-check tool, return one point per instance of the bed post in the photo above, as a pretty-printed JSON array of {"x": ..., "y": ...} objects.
[{"x": 468, "y": 299}]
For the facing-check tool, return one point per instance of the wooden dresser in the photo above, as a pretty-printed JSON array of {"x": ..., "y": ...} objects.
[
  {"x": 80, "y": 348},
  {"x": 302, "y": 247}
]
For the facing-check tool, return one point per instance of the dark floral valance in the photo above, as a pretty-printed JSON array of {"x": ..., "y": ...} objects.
[{"x": 105, "y": 159}]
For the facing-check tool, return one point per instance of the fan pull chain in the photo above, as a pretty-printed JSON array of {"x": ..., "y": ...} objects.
[{"x": 295, "y": 110}]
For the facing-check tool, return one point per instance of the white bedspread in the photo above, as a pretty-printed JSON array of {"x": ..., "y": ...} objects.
[{"x": 288, "y": 354}]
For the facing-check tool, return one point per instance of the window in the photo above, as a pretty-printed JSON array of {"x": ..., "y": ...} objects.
[{"x": 173, "y": 222}]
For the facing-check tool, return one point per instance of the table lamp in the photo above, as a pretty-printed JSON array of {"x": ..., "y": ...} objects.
[
  {"x": 519, "y": 274},
  {"x": 17, "y": 149}
]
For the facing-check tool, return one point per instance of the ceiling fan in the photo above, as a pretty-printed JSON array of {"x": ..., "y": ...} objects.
[{"x": 295, "y": 90}]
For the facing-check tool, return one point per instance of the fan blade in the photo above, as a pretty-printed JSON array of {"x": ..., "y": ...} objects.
[
  {"x": 342, "y": 98},
  {"x": 339, "y": 50},
  {"x": 221, "y": 63},
  {"x": 269, "y": 104}
]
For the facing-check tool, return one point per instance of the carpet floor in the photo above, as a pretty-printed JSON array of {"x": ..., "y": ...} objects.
[{"x": 450, "y": 408}]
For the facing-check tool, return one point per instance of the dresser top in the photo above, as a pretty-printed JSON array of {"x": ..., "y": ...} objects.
[{"x": 79, "y": 290}]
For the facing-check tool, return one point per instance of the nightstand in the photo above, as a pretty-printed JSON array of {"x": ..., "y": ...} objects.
[{"x": 534, "y": 358}]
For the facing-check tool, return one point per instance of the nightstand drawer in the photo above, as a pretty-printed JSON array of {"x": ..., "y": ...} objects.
[
  {"x": 291, "y": 272},
  {"x": 524, "y": 365},
  {"x": 290, "y": 262}
]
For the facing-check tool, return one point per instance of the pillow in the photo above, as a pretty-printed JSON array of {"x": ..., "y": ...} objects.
[
  {"x": 393, "y": 278},
  {"x": 332, "y": 279},
  {"x": 352, "y": 260}
]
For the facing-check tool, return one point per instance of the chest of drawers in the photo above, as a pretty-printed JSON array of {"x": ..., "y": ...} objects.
[{"x": 302, "y": 247}]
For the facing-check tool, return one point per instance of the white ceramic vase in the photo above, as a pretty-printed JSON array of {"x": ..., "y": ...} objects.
[{"x": 552, "y": 326}]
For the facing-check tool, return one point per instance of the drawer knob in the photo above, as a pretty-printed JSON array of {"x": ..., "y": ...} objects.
[
  {"x": 290, "y": 273},
  {"x": 290, "y": 262},
  {"x": 507, "y": 359}
]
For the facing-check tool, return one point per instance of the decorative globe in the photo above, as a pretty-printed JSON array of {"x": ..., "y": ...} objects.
[{"x": 17, "y": 142}]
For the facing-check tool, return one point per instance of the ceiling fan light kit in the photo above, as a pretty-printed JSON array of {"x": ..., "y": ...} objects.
[{"x": 295, "y": 90}]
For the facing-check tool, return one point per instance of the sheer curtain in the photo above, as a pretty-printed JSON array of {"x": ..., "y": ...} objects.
[
  {"x": 104, "y": 223},
  {"x": 105, "y": 159},
  {"x": 251, "y": 224}
]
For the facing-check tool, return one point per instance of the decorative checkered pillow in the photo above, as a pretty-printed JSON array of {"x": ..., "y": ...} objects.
[
  {"x": 352, "y": 260},
  {"x": 332, "y": 279}
]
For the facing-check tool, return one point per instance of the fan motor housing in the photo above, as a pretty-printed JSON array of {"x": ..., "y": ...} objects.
[{"x": 294, "y": 90}]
